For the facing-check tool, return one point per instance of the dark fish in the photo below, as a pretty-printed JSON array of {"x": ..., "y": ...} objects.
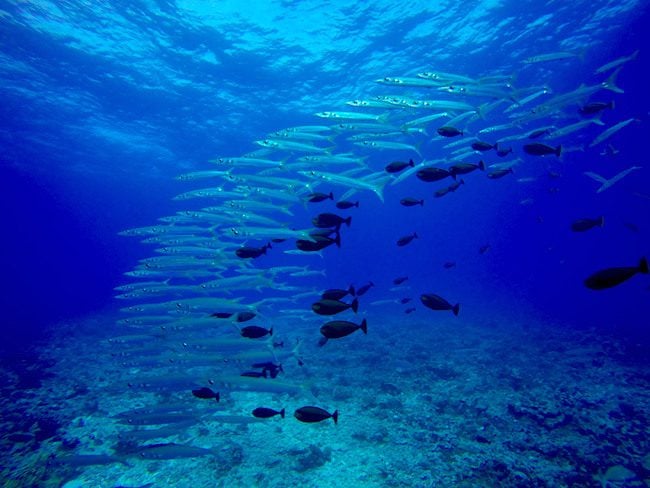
[
  {"x": 456, "y": 185},
  {"x": 411, "y": 202},
  {"x": 255, "y": 374},
  {"x": 247, "y": 252},
  {"x": 206, "y": 393},
  {"x": 582, "y": 225},
  {"x": 397, "y": 166},
  {"x": 607, "y": 278},
  {"x": 332, "y": 307},
  {"x": 539, "y": 149},
  {"x": 499, "y": 173},
  {"x": 315, "y": 414},
  {"x": 448, "y": 131},
  {"x": 255, "y": 332},
  {"x": 409, "y": 310},
  {"x": 536, "y": 134},
  {"x": 630, "y": 226},
  {"x": 593, "y": 108},
  {"x": 320, "y": 197},
  {"x": 344, "y": 205},
  {"x": 245, "y": 316},
  {"x": 266, "y": 413},
  {"x": 400, "y": 280},
  {"x": 321, "y": 243},
  {"x": 341, "y": 328},
  {"x": 330, "y": 220},
  {"x": 278, "y": 240},
  {"x": 337, "y": 294},
  {"x": 482, "y": 146},
  {"x": 441, "y": 193},
  {"x": 449, "y": 264},
  {"x": 464, "y": 168},
  {"x": 435, "y": 302},
  {"x": 222, "y": 315},
  {"x": 363, "y": 289},
  {"x": 404, "y": 301},
  {"x": 484, "y": 248},
  {"x": 431, "y": 174},
  {"x": 403, "y": 241}
]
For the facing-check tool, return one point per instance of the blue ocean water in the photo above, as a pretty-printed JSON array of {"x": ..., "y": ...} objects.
[{"x": 104, "y": 105}]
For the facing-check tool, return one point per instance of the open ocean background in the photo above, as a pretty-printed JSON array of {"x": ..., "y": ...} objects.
[{"x": 103, "y": 104}]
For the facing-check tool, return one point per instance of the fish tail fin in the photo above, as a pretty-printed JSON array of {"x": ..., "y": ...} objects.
[
  {"x": 364, "y": 326},
  {"x": 331, "y": 196},
  {"x": 335, "y": 416},
  {"x": 612, "y": 105},
  {"x": 422, "y": 203},
  {"x": 282, "y": 413},
  {"x": 355, "y": 305},
  {"x": 411, "y": 163},
  {"x": 558, "y": 150},
  {"x": 352, "y": 291},
  {"x": 597, "y": 120},
  {"x": 217, "y": 397},
  {"x": 610, "y": 83},
  {"x": 602, "y": 221},
  {"x": 643, "y": 266},
  {"x": 481, "y": 165},
  {"x": 456, "y": 309},
  {"x": 348, "y": 221},
  {"x": 271, "y": 331},
  {"x": 415, "y": 235},
  {"x": 337, "y": 240}
]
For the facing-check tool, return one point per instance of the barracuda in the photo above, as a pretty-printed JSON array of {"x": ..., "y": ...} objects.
[{"x": 377, "y": 188}]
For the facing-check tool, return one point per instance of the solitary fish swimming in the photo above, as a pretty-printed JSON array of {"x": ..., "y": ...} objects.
[
  {"x": 582, "y": 225},
  {"x": 610, "y": 277},
  {"x": 435, "y": 302},
  {"x": 315, "y": 414}
]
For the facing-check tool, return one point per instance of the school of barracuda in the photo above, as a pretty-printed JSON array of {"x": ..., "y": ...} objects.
[{"x": 187, "y": 326}]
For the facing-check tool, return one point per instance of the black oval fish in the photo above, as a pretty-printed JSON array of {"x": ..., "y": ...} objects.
[
  {"x": 397, "y": 166},
  {"x": 411, "y": 202},
  {"x": 583, "y": 225},
  {"x": 436, "y": 302},
  {"x": 403, "y": 241},
  {"x": 610, "y": 277},
  {"x": 341, "y": 328},
  {"x": 315, "y": 414},
  {"x": 255, "y": 332},
  {"x": 266, "y": 413},
  {"x": 448, "y": 131},
  {"x": 332, "y": 307}
]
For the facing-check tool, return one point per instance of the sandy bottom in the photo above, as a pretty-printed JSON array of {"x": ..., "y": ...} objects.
[{"x": 444, "y": 404}]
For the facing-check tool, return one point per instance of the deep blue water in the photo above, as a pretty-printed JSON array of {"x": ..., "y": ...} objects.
[{"x": 103, "y": 107}]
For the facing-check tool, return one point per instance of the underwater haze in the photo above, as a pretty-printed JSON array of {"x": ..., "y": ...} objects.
[{"x": 296, "y": 243}]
